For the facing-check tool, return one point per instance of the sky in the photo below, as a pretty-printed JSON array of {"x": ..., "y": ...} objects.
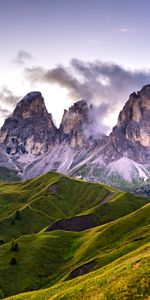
[{"x": 74, "y": 49}]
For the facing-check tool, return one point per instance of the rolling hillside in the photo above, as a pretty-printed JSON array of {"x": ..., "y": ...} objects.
[{"x": 53, "y": 229}]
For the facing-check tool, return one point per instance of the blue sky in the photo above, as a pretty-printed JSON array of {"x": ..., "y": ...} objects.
[
  {"x": 56, "y": 30},
  {"x": 53, "y": 32}
]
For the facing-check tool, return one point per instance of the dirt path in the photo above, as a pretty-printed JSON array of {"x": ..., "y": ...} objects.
[{"x": 106, "y": 198}]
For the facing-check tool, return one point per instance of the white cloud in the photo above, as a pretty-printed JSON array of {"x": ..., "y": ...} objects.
[
  {"x": 125, "y": 30},
  {"x": 23, "y": 57},
  {"x": 105, "y": 85},
  {"x": 94, "y": 41}
]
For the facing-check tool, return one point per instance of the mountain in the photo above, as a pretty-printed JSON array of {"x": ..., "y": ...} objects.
[
  {"x": 125, "y": 159},
  {"x": 30, "y": 129},
  {"x": 73, "y": 123},
  {"x": 35, "y": 146},
  {"x": 131, "y": 136},
  {"x": 68, "y": 239}
]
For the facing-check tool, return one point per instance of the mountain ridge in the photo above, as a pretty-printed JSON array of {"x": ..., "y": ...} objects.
[{"x": 35, "y": 146}]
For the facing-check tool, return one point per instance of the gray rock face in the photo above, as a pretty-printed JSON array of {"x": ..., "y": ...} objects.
[
  {"x": 5, "y": 160},
  {"x": 131, "y": 136},
  {"x": 72, "y": 127},
  {"x": 30, "y": 129}
]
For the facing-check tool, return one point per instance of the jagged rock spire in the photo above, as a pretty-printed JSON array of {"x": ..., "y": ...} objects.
[{"x": 30, "y": 129}]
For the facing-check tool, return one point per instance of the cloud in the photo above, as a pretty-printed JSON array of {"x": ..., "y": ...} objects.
[
  {"x": 94, "y": 42},
  {"x": 61, "y": 76},
  {"x": 7, "y": 97},
  {"x": 8, "y": 101},
  {"x": 105, "y": 85},
  {"x": 23, "y": 57},
  {"x": 125, "y": 30},
  {"x": 4, "y": 112}
]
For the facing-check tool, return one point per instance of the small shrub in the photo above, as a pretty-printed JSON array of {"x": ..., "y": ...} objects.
[
  {"x": 13, "y": 261},
  {"x": 2, "y": 294},
  {"x": 12, "y": 222},
  {"x": 14, "y": 246},
  {"x": 17, "y": 215}
]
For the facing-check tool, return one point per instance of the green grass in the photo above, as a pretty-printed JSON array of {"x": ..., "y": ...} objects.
[
  {"x": 39, "y": 208},
  {"x": 126, "y": 278},
  {"x": 47, "y": 260}
]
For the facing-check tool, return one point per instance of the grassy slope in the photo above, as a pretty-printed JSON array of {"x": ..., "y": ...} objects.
[
  {"x": 52, "y": 254},
  {"x": 39, "y": 208},
  {"x": 46, "y": 258},
  {"x": 126, "y": 278},
  {"x": 7, "y": 175}
]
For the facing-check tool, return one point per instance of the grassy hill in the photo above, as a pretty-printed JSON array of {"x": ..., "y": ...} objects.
[
  {"x": 125, "y": 278},
  {"x": 53, "y": 229}
]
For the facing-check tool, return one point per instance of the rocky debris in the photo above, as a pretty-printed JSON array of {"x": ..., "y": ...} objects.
[
  {"x": 83, "y": 269},
  {"x": 131, "y": 136},
  {"x": 143, "y": 190},
  {"x": 6, "y": 161},
  {"x": 53, "y": 189},
  {"x": 30, "y": 129},
  {"x": 77, "y": 223}
]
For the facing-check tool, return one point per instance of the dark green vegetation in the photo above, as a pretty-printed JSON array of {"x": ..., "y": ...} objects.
[
  {"x": 54, "y": 229},
  {"x": 7, "y": 175}
]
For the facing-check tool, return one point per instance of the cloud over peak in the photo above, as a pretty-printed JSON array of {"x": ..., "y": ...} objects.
[{"x": 105, "y": 85}]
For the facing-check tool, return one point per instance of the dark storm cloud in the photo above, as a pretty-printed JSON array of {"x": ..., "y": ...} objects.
[
  {"x": 61, "y": 76},
  {"x": 105, "y": 85},
  {"x": 22, "y": 57},
  {"x": 110, "y": 80}
]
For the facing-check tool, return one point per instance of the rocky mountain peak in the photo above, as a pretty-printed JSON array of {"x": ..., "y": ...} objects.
[
  {"x": 73, "y": 122},
  {"x": 30, "y": 129},
  {"x": 32, "y": 104},
  {"x": 74, "y": 148},
  {"x": 137, "y": 107},
  {"x": 131, "y": 136},
  {"x": 80, "y": 106},
  {"x": 145, "y": 90},
  {"x": 135, "y": 117}
]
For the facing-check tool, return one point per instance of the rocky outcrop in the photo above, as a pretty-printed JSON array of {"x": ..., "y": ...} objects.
[
  {"x": 131, "y": 136},
  {"x": 30, "y": 129},
  {"x": 74, "y": 122}
]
